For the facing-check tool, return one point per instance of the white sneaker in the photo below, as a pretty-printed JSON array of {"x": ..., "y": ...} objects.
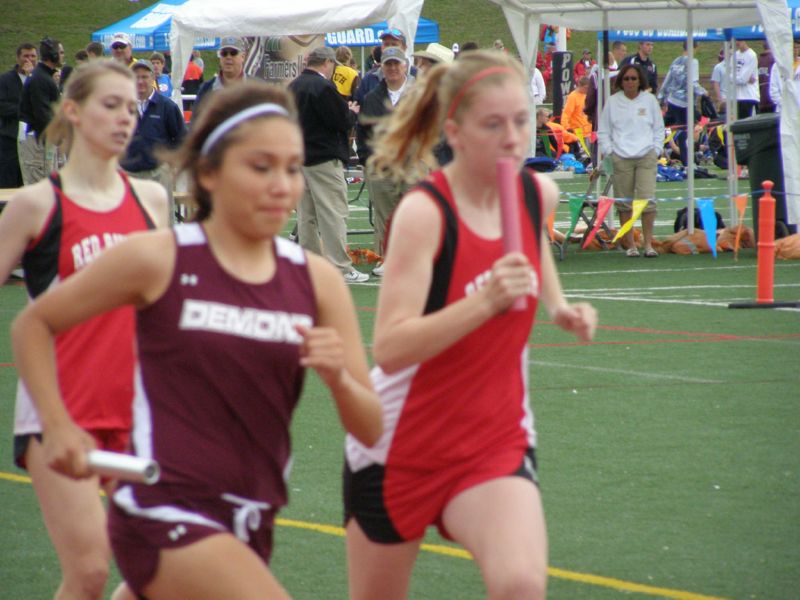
[
  {"x": 355, "y": 277},
  {"x": 378, "y": 271}
]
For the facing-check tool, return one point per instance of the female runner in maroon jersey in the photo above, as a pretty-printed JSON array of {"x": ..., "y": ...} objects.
[
  {"x": 229, "y": 315},
  {"x": 55, "y": 227},
  {"x": 458, "y": 444}
]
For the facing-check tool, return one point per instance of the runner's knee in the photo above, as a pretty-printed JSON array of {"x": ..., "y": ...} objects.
[
  {"x": 86, "y": 579},
  {"x": 517, "y": 582}
]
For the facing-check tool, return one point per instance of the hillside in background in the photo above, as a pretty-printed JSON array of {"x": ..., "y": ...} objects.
[{"x": 73, "y": 22}]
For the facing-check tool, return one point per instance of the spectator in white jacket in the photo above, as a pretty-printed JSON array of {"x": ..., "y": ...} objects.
[
  {"x": 632, "y": 132},
  {"x": 747, "y": 94},
  {"x": 538, "y": 89},
  {"x": 775, "y": 83}
]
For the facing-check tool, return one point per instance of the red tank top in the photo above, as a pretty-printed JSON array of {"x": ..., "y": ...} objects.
[
  {"x": 472, "y": 397},
  {"x": 95, "y": 359}
]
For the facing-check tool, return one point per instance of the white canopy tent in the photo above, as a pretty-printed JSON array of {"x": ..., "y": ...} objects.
[
  {"x": 525, "y": 16},
  {"x": 245, "y": 18}
]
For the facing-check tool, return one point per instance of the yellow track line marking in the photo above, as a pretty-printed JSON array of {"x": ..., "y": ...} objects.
[{"x": 586, "y": 578}]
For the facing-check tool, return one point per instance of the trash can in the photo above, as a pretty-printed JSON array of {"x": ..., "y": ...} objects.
[{"x": 758, "y": 147}]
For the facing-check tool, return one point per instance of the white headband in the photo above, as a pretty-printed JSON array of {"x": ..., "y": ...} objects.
[{"x": 254, "y": 111}]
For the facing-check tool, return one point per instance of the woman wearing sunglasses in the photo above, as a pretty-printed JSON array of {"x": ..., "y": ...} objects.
[
  {"x": 631, "y": 131},
  {"x": 231, "y": 54}
]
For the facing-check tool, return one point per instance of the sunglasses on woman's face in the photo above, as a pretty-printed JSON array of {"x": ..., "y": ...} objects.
[
  {"x": 228, "y": 52},
  {"x": 630, "y": 79}
]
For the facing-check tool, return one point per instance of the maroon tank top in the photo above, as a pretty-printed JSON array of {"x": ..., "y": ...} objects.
[{"x": 220, "y": 373}]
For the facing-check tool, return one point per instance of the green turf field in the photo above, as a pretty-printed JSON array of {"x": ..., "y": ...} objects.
[{"x": 669, "y": 446}]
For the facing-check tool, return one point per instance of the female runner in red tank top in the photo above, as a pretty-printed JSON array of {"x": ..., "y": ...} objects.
[
  {"x": 56, "y": 227},
  {"x": 458, "y": 444},
  {"x": 228, "y": 317}
]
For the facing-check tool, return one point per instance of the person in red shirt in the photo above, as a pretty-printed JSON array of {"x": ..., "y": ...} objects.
[
  {"x": 584, "y": 65},
  {"x": 451, "y": 354},
  {"x": 56, "y": 228},
  {"x": 193, "y": 72}
]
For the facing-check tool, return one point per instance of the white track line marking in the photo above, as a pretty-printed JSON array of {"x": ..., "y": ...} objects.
[{"x": 626, "y": 372}]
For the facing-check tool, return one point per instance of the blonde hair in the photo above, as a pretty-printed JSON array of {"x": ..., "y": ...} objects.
[
  {"x": 81, "y": 84},
  {"x": 222, "y": 105},
  {"x": 344, "y": 55},
  {"x": 405, "y": 138}
]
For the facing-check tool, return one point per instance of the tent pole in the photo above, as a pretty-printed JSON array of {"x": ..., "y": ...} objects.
[
  {"x": 730, "y": 117},
  {"x": 690, "y": 118},
  {"x": 603, "y": 94}
]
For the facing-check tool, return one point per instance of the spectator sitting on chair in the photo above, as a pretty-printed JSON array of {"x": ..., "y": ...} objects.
[
  {"x": 160, "y": 125},
  {"x": 573, "y": 118},
  {"x": 232, "y": 54},
  {"x": 550, "y": 134},
  {"x": 325, "y": 119}
]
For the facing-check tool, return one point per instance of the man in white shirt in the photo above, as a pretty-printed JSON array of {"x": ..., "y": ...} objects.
[{"x": 747, "y": 95}]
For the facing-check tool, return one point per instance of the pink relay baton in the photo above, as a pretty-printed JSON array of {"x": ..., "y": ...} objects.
[
  {"x": 123, "y": 466},
  {"x": 507, "y": 172}
]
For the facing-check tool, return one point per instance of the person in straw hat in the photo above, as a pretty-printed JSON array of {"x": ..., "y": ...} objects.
[{"x": 432, "y": 55}]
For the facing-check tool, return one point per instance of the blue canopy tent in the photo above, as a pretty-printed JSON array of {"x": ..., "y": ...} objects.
[
  {"x": 149, "y": 29},
  {"x": 427, "y": 32}
]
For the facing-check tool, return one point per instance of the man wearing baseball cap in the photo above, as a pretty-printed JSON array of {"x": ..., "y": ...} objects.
[
  {"x": 326, "y": 119},
  {"x": 390, "y": 38},
  {"x": 584, "y": 66},
  {"x": 232, "y": 54},
  {"x": 383, "y": 193},
  {"x": 122, "y": 49},
  {"x": 432, "y": 55},
  {"x": 160, "y": 125}
]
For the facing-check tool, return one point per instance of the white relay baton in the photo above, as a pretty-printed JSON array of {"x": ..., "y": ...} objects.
[{"x": 123, "y": 466}]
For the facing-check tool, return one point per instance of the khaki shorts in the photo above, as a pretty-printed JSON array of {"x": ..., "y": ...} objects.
[{"x": 635, "y": 179}]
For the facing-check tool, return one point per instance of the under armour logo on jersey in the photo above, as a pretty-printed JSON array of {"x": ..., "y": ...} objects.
[
  {"x": 188, "y": 279},
  {"x": 176, "y": 533}
]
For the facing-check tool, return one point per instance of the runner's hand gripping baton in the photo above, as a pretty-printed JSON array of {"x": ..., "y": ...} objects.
[
  {"x": 507, "y": 172},
  {"x": 123, "y": 466}
]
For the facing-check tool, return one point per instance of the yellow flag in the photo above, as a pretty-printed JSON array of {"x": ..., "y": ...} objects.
[
  {"x": 638, "y": 207},
  {"x": 582, "y": 141}
]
